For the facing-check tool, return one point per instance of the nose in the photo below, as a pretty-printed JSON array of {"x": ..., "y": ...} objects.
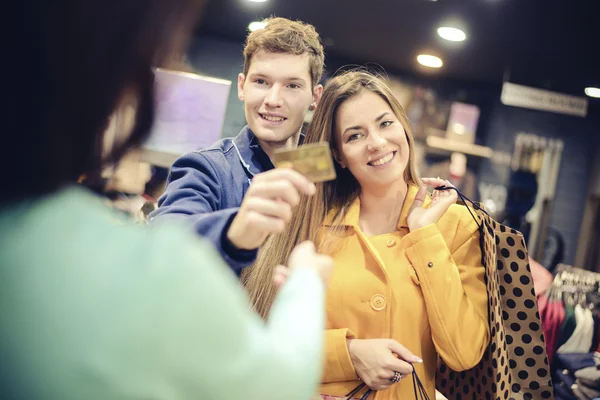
[
  {"x": 273, "y": 98},
  {"x": 376, "y": 141}
]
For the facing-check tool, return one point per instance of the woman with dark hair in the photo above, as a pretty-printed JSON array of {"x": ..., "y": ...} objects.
[{"x": 92, "y": 307}]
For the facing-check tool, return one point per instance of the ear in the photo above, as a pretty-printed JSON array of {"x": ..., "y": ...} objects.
[
  {"x": 240, "y": 86},
  {"x": 337, "y": 158},
  {"x": 317, "y": 93}
]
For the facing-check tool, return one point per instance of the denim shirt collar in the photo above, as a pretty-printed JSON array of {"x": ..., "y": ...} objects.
[{"x": 251, "y": 155}]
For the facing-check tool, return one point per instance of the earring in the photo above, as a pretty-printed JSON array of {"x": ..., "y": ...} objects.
[{"x": 312, "y": 107}]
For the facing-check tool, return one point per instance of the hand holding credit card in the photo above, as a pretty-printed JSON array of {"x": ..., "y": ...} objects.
[{"x": 311, "y": 160}]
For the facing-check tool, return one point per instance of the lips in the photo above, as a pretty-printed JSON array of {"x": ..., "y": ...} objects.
[
  {"x": 383, "y": 160},
  {"x": 272, "y": 118}
]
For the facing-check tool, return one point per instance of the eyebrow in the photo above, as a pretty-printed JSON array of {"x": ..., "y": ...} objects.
[
  {"x": 289, "y": 78},
  {"x": 351, "y": 128},
  {"x": 296, "y": 79},
  {"x": 381, "y": 116}
]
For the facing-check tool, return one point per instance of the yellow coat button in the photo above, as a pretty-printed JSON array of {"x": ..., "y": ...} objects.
[
  {"x": 378, "y": 302},
  {"x": 390, "y": 243}
]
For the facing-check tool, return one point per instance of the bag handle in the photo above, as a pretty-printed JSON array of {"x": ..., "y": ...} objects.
[
  {"x": 465, "y": 200},
  {"x": 357, "y": 389},
  {"x": 418, "y": 387}
]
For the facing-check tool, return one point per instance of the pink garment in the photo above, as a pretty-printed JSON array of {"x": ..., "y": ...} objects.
[
  {"x": 542, "y": 278},
  {"x": 552, "y": 320}
]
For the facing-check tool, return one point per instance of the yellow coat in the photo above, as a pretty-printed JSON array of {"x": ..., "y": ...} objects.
[{"x": 424, "y": 289}]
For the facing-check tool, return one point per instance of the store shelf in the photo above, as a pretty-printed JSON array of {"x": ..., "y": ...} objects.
[
  {"x": 451, "y": 146},
  {"x": 158, "y": 158}
]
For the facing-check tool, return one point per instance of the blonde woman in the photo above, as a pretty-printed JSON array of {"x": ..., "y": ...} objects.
[{"x": 408, "y": 284}]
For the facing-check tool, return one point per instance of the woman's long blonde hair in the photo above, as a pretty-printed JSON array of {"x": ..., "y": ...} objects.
[{"x": 336, "y": 195}]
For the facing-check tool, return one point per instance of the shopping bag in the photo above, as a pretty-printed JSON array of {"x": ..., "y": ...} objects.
[{"x": 514, "y": 365}]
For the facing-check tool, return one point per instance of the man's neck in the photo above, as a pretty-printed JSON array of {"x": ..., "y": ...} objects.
[
  {"x": 380, "y": 208},
  {"x": 270, "y": 147}
]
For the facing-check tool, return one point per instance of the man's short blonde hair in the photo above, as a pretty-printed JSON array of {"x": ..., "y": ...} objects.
[{"x": 282, "y": 35}]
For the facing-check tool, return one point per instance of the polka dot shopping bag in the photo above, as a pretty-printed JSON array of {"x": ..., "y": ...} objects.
[{"x": 515, "y": 364}]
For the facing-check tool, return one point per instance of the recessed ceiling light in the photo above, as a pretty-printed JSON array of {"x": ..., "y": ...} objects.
[
  {"x": 593, "y": 92},
  {"x": 257, "y": 1},
  {"x": 256, "y": 25},
  {"x": 451, "y": 34},
  {"x": 429, "y": 61}
]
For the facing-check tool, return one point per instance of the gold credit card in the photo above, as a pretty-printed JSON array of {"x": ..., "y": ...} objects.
[{"x": 311, "y": 160}]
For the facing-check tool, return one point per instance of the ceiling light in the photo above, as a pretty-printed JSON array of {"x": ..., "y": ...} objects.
[
  {"x": 429, "y": 61},
  {"x": 451, "y": 34},
  {"x": 593, "y": 92},
  {"x": 257, "y": 1},
  {"x": 256, "y": 25}
]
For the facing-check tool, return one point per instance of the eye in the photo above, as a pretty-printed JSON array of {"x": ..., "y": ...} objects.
[
  {"x": 260, "y": 81},
  {"x": 385, "y": 124},
  {"x": 354, "y": 136},
  {"x": 294, "y": 86}
]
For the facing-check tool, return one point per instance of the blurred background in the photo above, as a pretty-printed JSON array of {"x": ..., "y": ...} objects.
[{"x": 502, "y": 95}]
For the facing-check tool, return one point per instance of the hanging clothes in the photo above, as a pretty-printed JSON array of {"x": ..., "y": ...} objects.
[
  {"x": 542, "y": 278},
  {"x": 568, "y": 326},
  {"x": 597, "y": 349},
  {"x": 586, "y": 392},
  {"x": 580, "y": 340},
  {"x": 587, "y": 337},
  {"x": 589, "y": 376},
  {"x": 596, "y": 332},
  {"x": 552, "y": 321},
  {"x": 563, "y": 375}
]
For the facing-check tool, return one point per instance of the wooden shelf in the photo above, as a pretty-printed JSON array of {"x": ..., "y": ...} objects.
[{"x": 451, "y": 146}]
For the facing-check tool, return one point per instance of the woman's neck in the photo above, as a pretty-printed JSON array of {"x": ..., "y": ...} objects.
[{"x": 380, "y": 208}]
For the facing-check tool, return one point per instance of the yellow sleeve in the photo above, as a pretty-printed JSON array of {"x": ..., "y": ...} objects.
[
  {"x": 453, "y": 286},
  {"x": 338, "y": 365}
]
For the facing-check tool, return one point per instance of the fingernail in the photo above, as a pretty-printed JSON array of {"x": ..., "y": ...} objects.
[{"x": 417, "y": 359}]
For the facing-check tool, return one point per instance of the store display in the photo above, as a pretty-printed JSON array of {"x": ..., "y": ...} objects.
[
  {"x": 190, "y": 112},
  {"x": 456, "y": 171},
  {"x": 462, "y": 122}
]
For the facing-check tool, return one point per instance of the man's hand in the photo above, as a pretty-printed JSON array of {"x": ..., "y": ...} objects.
[{"x": 267, "y": 207}]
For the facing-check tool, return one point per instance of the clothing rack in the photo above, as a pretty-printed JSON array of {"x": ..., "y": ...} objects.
[
  {"x": 571, "y": 323},
  {"x": 574, "y": 286}
]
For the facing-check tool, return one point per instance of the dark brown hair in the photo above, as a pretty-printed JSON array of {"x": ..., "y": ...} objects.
[
  {"x": 79, "y": 60},
  {"x": 281, "y": 35}
]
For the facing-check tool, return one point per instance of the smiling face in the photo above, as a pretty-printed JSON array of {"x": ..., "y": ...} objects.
[
  {"x": 371, "y": 141},
  {"x": 277, "y": 93}
]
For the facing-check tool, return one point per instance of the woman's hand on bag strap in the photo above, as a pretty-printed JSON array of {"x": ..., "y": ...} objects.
[
  {"x": 377, "y": 361},
  {"x": 441, "y": 200}
]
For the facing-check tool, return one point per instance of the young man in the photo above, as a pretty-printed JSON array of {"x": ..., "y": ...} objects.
[{"x": 210, "y": 188}]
